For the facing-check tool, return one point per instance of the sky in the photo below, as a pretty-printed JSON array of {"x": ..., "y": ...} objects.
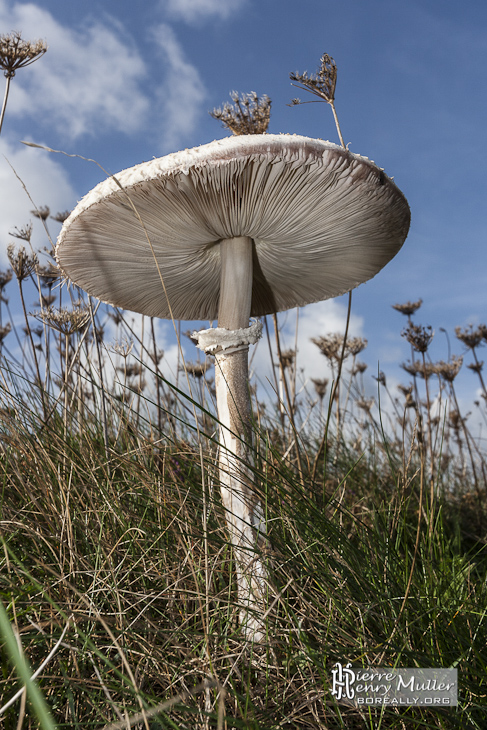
[{"x": 124, "y": 82}]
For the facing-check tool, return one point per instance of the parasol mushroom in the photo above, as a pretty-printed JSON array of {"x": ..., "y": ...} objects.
[{"x": 238, "y": 228}]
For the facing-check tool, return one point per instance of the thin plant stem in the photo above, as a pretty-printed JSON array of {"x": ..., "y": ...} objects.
[
  {"x": 102, "y": 387},
  {"x": 335, "y": 116},
  {"x": 333, "y": 391},
  {"x": 288, "y": 399},
  {"x": 36, "y": 362}
]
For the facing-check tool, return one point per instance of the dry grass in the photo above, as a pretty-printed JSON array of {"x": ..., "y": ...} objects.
[{"x": 116, "y": 561}]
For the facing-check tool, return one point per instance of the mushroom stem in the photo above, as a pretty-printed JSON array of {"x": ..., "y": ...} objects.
[{"x": 242, "y": 505}]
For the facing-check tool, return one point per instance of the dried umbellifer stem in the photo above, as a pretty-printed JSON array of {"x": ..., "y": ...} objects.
[
  {"x": 16, "y": 53},
  {"x": 321, "y": 84}
]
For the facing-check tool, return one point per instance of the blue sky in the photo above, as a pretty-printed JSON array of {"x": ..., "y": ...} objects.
[{"x": 123, "y": 82}]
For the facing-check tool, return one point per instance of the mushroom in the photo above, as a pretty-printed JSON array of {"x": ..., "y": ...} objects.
[{"x": 238, "y": 228}]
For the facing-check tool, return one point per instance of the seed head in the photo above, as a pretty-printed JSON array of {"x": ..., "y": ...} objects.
[
  {"x": 471, "y": 337},
  {"x": 407, "y": 392},
  {"x": 477, "y": 367},
  {"x": 131, "y": 370},
  {"x": 43, "y": 212},
  {"x": 381, "y": 378},
  {"x": 417, "y": 336},
  {"x": 330, "y": 346},
  {"x": 249, "y": 114},
  {"x": 123, "y": 348},
  {"x": 4, "y": 331},
  {"x": 5, "y": 277},
  {"x": 16, "y": 53},
  {"x": 408, "y": 308},
  {"x": 320, "y": 387},
  {"x": 365, "y": 404},
  {"x": 66, "y": 321},
  {"x": 449, "y": 370},
  {"x": 61, "y": 217},
  {"x": 22, "y": 264},
  {"x": 360, "y": 367},
  {"x": 287, "y": 358},
  {"x": 321, "y": 84},
  {"x": 355, "y": 345},
  {"x": 424, "y": 370},
  {"x": 24, "y": 234},
  {"x": 196, "y": 369},
  {"x": 455, "y": 420}
]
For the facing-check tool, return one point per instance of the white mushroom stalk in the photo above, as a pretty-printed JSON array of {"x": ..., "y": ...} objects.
[
  {"x": 230, "y": 344},
  {"x": 239, "y": 228}
]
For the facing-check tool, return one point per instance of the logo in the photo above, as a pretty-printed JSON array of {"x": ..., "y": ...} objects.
[{"x": 397, "y": 687}]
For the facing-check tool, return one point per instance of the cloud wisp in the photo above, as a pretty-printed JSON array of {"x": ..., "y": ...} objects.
[
  {"x": 196, "y": 11},
  {"x": 88, "y": 82},
  {"x": 182, "y": 94}
]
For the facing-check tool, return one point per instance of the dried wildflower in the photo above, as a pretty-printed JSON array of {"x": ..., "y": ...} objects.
[
  {"x": 249, "y": 114},
  {"x": 22, "y": 264},
  {"x": 66, "y": 321},
  {"x": 320, "y": 387},
  {"x": 5, "y": 277},
  {"x": 130, "y": 370},
  {"x": 330, "y": 346},
  {"x": 43, "y": 212},
  {"x": 61, "y": 217},
  {"x": 424, "y": 370},
  {"x": 191, "y": 336},
  {"x": 471, "y": 337},
  {"x": 405, "y": 390},
  {"x": 196, "y": 369},
  {"x": 16, "y": 53},
  {"x": 455, "y": 420},
  {"x": 381, "y": 378},
  {"x": 123, "y": 348},
  {"x": 322, "y": 84},
  {"x": 419, "y": 337},
  {"x": 360, "y": 367},
  {"x": 287, "y": 358},
  {"x": 365, "y": 404},
  {"x": 355, "y": 345},
  {"x": 24, "y": 234},
  {"x": 449, "y": 370},
  {"x": 477, "y": 367},
  {"x": 408, "y": 308},
  {"x": 4, "y": 331}
]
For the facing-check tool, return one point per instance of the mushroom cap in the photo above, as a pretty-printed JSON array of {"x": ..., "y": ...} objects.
[{"x": 322, "y": 221}]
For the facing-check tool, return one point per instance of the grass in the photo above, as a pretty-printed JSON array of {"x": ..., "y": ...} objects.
[{"x": 116, "y": 566}]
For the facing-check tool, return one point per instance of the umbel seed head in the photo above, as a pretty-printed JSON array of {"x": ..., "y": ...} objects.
[
  {"x": 16, "y": 53},
  {"x": 321, "y": 84},
  {"x": 249, "y": 114}
]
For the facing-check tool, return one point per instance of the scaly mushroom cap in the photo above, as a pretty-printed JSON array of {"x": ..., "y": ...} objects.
[{"x": 322, "y": 219}]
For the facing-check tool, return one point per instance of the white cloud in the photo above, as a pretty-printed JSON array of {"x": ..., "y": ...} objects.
[
  {"x": 182, "y": 93},
  {"x": 89, "y": 80},
  {"x": 317, "y": 319},
  {"x": 45, "y": 180},
  {"x": 193, "y": 11}
]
